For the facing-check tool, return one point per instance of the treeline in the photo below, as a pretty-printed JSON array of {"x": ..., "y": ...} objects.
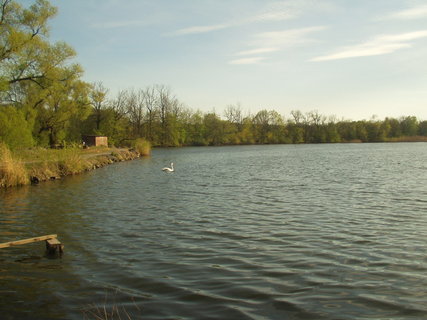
[
  {"x": 45, "y": 102},
  {"x": 157, "y": 115}
]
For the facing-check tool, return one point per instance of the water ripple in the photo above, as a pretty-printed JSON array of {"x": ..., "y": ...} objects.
[{"x": 327, "y": 235}]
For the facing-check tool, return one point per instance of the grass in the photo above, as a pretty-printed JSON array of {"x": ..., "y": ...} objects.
[
  {"x": 113, "y": 312},
  {"x": 12, "y": 169},
  {"x": 41, "y": 164},
  {"x": 408, "y": 139},
  {"x": 73, "y": 162}
]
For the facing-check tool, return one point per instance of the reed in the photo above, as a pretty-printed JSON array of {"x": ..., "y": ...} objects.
[
  {"x": 12, "y": 169},
  {"x": 408, "y": 139},
  {"x": 44, "y": 170},
  {"x": 40, "y": 164},
  {"x": 143, "y": 147},
  {"x": 72, "y": 162},
  {"x": 113, "y": 310}
]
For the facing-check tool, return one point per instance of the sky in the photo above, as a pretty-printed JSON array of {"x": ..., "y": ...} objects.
[{"x": 353, "y": 59}]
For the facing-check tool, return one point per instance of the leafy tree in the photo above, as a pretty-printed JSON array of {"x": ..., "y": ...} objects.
[
  {"x": 394, "y": 129},
  {"x": 422, "y": 128},
  {"x": 14, "y": 129},
  {"x": 196, "y": 130},
  {"x": 22, "y": 44},
  {"x": 409, "y": 126},
  {"x": 63, "y": 101},
  {"x": 214, "y": 129},
  {"x": 98, "y": 99},
  {"x": 35, "y": 75},
  {"x": 261, "y": 123}
]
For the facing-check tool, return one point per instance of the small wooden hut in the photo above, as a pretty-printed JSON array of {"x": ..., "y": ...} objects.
[{"x": 95, "y": 141}]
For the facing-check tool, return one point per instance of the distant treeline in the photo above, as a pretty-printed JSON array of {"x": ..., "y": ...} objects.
[{"x": 45, "y": 102}]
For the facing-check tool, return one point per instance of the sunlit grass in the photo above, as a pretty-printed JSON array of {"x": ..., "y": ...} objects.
[
  {"x": 12, "y": 169},
  {"x": 40, "y": 164},
  {"x": 73, "y": 163}
]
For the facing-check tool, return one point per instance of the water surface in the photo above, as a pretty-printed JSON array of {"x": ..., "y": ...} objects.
[{"x": 252, "y": 232}]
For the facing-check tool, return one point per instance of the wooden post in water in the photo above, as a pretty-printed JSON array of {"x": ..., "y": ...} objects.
[
  {"x": 54, "y": 246},
  {"x": 52, "y": 243}
]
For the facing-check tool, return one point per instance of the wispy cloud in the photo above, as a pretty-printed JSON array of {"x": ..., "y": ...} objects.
[
  {"x": 200, "y": 29},
  {"x": 256, "y": 51},
  {"x": 276, "y": 11},
  {"x": 286, "y": 38},
  {"x": 250, "y": 60},
  {"x": 119, "y": 24},
  {"x": 279, "y": 11},
  {"x": 272, "y": 41},
  {"x": 380, "y": 45},
  {"x": 409, "y": 14},
  {"x": 290, "y": 9}
]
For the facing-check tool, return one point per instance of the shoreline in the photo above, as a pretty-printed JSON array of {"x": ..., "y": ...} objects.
[
  {"x": 15, "y": 172},
  {"x": 39, "y": 170},
  {"x": 43, "y": 172}
]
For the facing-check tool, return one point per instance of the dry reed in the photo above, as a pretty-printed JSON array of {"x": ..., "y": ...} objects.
[
  {"x": 12, "y": 169},
  {"x": 143, "y": 147}
]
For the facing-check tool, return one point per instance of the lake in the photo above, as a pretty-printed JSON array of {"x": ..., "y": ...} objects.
[{"x": 331, "y": 231}]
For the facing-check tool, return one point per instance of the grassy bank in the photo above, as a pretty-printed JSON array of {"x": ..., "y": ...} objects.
[
  {"x": 40, "y": 164},
  {"x": 408, "y": 139}
]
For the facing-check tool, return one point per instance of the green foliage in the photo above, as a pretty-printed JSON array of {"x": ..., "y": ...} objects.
[
  {"x": 15, "y": 131},
  {"x": 36, "y": 76},
  {"x": 44, "y": 102}
]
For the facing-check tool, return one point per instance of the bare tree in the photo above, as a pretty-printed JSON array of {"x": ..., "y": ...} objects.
[
  {"x": 298, "y": 116},
  {"x": 137, "y": 111},
  {"x": 233, "y": 113},
  {"x": 119, "y": 105},
  {"x": 164, "y": 104},
  {"x": 150, "y": 100}
]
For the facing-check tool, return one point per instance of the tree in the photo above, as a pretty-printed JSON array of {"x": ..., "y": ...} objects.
[
  {"x": 331, "y": 130},
  {"x": 423, "y": 128},
  {"x": 14, "y": 129},
  {"x": 316, "y": 132},
  {"x": 296, "y": 127},
  {"x": 117, "y": 122},
  {"x": 136, "y": 111},
  {"x": 98, "y": 97},
  {"x": 196, "y": 130},
  {"x": 22, "y": 44},
  {"x": 394, "y": 127},
  {"x": 214, "y": 131},
  {"x": 409, "y": 126},
  {"x": 63, "y": 101},
  {"x": 262, "y": 126},
  {"x": 151, "y": 100},
  {"x": 36, "y": 76},
  {"x": 168, "y": 108},
  {"x": 233, "y": 113}
]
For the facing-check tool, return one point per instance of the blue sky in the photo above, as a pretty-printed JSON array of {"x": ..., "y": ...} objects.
[{"x": 348, "y": 58}]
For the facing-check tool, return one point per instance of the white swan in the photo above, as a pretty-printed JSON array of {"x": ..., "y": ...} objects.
[{"x": 167, "y": 169}]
